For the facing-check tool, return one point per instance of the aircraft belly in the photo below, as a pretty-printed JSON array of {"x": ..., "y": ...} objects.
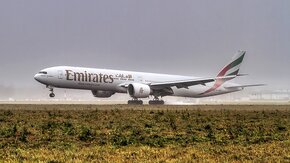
[{"x": 192, "y": 91}]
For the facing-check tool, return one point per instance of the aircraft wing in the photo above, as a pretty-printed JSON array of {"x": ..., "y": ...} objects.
[
  {"x": 187, "y": 83},
  {"x": 244, "y": 86}
]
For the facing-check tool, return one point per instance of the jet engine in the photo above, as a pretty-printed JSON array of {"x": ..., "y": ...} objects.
[
  {"x": 138, "y": 90},
  {"x": 102, "y": 94}
]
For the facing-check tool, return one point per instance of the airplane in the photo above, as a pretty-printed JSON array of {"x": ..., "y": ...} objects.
[{"x": 104, "y": 83}]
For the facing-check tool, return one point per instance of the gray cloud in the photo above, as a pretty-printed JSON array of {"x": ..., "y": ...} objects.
[{"x": 180, "y": 37}]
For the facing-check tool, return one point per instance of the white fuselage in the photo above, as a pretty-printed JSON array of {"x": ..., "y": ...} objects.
[{"x": 112, "y": 80}]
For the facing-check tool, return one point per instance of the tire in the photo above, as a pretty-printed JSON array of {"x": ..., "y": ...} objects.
[
  {"x": 135, "y": 102},
  {"x": 156, "y": 102},
  {"x": 51, "y": 95}
]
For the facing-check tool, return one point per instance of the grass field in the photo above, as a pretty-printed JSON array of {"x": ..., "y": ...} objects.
[{"x": 120, "y": 133}]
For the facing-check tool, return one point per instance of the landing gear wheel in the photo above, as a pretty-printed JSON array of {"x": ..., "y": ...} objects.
[
  {"x": 156, "y": 102},
  {"x": 135, "y": 102},
  {"x": 51, "y": 90},
  {"x": 51, "y": 95}
]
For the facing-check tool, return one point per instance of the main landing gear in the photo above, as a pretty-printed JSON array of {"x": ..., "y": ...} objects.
[
  {"x": 51, "y": 90},
  {"x": 135, "y": 101},
  {"x": 156, "y": 101}
]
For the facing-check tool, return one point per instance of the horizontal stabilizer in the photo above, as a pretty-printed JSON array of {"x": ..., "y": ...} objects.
[
  {"x": 242, "y": 74},
  {"x": 244, "y": 86}
]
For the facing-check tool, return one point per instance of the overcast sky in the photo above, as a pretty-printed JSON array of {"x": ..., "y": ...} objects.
[{"x": 185, "y": 37}]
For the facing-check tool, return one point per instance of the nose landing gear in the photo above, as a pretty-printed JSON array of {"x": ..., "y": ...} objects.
[
  {"x": 51, "y": 95},
  {"x": 51, "y": 90}
]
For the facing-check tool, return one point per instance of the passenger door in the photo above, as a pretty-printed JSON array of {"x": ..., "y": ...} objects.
[{"x": 60, "y": 74}]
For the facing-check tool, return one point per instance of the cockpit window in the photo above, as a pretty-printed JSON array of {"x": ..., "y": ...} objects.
[{"x": 42, "y": 72}]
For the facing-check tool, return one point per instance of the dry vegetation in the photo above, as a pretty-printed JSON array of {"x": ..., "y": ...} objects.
[{"x": 65, "y": 133}]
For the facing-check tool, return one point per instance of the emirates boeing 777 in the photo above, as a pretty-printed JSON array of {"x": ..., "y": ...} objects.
[{"x": 104, "y": 82}]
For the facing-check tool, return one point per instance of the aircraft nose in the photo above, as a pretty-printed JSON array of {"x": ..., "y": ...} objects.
[{"x": 37, "y": 77}]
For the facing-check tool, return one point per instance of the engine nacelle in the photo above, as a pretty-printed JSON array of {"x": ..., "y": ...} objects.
[
  {"x": 138, "y": 90},
  {"x": 103, "y": 94}
]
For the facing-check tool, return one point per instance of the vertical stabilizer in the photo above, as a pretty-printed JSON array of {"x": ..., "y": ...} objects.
[
  {"x": 233, "y": 67},
  {"x": 231, "y": 70}
]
